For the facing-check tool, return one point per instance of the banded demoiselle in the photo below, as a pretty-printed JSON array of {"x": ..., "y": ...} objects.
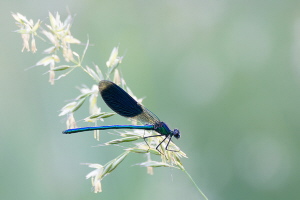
[{"x": 123, "y": 104}]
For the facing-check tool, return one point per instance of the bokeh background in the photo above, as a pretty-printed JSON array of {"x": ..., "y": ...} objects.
[{"x": 226, "y": 73}]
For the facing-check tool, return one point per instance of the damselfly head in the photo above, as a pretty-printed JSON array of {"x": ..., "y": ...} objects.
[{"x": 176, "y": 133}]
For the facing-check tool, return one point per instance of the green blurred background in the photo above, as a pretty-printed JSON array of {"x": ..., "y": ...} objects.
[{"x": 226, "y": 73}]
